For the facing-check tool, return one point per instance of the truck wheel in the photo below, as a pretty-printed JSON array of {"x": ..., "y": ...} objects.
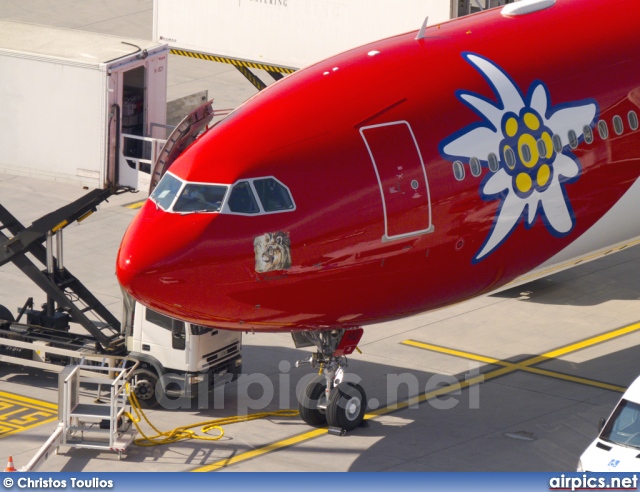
[
  {"x": 5, "y": 315},
  {"x": 144, "y": 387}
]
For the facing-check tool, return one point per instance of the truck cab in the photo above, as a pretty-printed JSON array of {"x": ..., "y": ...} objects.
[
  {"x": 617, "y": 447},
  {"x": 178, "y": 359}
]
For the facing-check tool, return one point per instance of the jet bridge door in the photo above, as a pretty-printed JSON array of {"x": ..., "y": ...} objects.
[{"x": 402, "y": 178}]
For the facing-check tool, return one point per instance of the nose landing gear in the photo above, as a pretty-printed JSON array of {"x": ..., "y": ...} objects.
[{"x": 327, "y": 399}]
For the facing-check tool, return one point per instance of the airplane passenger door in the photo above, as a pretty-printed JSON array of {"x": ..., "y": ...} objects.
[{"x": 402, "y": 178}]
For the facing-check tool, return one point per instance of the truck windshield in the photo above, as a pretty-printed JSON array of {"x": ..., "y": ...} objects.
[{"x": 623, "y": 427}]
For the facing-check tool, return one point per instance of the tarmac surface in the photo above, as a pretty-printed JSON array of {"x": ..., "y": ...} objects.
[{"x": 514, "y": 381}]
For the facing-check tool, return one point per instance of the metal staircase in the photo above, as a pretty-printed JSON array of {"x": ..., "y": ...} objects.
[{"x": 88, "y": 425}]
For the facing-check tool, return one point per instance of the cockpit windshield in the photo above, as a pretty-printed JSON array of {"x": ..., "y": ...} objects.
[
  {"x": 256, "y": 196},
  {"x": 174, "y": 195},
  {"x": 166, "y": 191},
  {"x": 273, "y": 196},
  {"x": 200, "y": 198}
]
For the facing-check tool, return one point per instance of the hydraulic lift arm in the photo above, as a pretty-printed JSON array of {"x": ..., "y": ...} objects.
[{"x": 61, "y": 287}]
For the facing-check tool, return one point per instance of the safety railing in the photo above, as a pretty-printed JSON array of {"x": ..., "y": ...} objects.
[
  {"x": 139, "y": 151},
  {"x": 84, "y": 424}
]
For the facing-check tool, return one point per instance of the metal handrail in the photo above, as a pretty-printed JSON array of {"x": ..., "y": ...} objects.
[{"x": 155, "y": 143}]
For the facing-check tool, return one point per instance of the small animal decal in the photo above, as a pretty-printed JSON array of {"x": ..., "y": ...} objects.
[{"x": 273, "y": 252}]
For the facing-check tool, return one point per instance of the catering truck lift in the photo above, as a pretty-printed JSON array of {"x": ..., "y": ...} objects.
[
  {"x": 90, "y": 109},
  {"x": 280, "y": 36},
  {"x": 184, "y": 358},
  {"x": 75, "y": 104}
]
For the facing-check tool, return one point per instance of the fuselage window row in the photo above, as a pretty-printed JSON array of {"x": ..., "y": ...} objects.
[{"x": 525, "y": 151}]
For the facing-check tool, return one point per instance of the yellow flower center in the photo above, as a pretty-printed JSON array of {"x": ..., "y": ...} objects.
[{"x": 523, "y": 182}]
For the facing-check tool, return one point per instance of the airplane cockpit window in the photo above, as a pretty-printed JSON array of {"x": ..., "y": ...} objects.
[
  {"x": 166, "y": 191},
  {"x": 242, "y": 199},
  {"x": 273, "y": 196},
  {"x": 200, "y": 198},
  {"x": 259, "y": 196}
]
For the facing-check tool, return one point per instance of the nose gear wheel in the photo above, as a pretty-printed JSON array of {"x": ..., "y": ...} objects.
[{"x": 328, "y": 398}]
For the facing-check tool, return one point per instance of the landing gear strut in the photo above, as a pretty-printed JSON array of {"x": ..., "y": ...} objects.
[{"x": 327, "y": 398}]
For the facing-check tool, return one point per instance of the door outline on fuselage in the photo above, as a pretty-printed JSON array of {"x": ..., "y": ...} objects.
[{"x": 430, "y": 228}]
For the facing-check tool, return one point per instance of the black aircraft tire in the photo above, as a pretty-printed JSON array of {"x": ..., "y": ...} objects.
[
  {"x": 308, "y": 402},
  {"x": 347, "y": 406}
]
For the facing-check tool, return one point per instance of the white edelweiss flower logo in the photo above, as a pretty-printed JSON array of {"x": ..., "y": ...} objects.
[{"x": 524, "y": 141}]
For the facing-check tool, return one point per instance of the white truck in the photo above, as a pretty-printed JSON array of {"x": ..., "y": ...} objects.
[
  {"x": 174, "y": 360},
  {"x": 187, "y": 360},
  {"x": 177, "y": 361},
  {"x": 68, "y": 99},
  {"x": 617, "y": 447}
]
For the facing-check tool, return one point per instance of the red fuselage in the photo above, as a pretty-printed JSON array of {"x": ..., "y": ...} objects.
[{"x": 381, "y": 223}]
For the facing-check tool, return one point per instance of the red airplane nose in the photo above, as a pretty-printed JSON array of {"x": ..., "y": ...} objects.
[{"x": 153, "y": 249}]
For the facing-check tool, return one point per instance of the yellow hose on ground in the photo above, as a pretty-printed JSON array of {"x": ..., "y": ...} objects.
[{"x": 186, "y": 432}]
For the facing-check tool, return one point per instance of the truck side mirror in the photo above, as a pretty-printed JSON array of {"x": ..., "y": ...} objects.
[
  {"x": 601, "y": 423},
  {"x": 178, "y": 341}
]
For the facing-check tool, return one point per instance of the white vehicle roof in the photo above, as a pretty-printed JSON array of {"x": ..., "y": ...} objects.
[
  {"x": 633, "y": 392},
  {"x": 67, "y": 44}
]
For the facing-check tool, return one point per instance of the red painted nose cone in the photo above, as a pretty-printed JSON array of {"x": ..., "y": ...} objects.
[{"x": 153, "y": 250}]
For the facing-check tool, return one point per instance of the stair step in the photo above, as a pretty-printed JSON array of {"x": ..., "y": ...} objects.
[
  {"x": 94, "y": 428},
  {"x": 91, "y": 411}
]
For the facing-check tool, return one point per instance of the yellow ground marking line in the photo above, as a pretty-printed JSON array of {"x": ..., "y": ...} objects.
[
  {"x": 25, "y": 428},
  {"x": 516, "y": 366},
  {"x": 135, "y": 205},
  {"x": 23, "y": 399},
  {"x": 508, "y": 367},
  {"x": 13, "y": 426}
]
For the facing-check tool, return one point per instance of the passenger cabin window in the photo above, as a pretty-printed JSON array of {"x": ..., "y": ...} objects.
[
  {"x": 525, "y": 154},
  {"x": 510, "y": 157},
  {"x": 557, "y": 143},
  {"x": 573, "y": 139},
  {"x": 200, "y": 198},
  {"x": 603, "y": 129},
  {"x": 242, "y": 200},
  {"x": 476, "y": 168},
  {"x": 166, "y": 191},
  {"x": 542, "y": 147},
  {"x": 494, "y": 165},
  {"x": 588, "y": 134},
  {"x": 274, "y": 197},
  {"x": 633, "y": 120},
  {"x": 458, "y": 170},
  {"x": 617, "y": 125}
]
